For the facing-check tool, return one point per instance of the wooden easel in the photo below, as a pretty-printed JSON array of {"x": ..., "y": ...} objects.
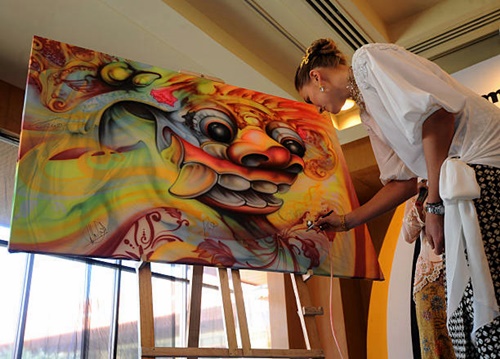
[{"x": 147, "y": 348}]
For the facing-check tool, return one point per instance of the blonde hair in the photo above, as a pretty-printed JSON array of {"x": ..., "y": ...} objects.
[{"x": 321, "y": 53}]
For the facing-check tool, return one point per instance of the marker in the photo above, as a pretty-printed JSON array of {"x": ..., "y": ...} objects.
[{"x": 311, "y": 225}]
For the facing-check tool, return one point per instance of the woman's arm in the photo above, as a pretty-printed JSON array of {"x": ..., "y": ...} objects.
[
  {"x": 437, "y": 134},
  {"x": 387, "y": 198}
]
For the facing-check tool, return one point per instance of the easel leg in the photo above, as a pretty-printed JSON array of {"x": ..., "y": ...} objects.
[
  {"x": 146, "y": 323},
  {"x": 194, "y": 309},
  {"x": 308, "y": 322},
  {"x": 242, "y": 316},
  {"x": 228, "y": 311}
]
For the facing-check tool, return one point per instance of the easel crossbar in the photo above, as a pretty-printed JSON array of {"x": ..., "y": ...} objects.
[{"x": 225, "y": 353}]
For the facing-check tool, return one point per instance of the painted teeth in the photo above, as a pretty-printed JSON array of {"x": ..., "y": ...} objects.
[
  {"x": 284, "y": 188},
  {"x": 264, "y": 187},
  {"x": 273, "y": 201},
  {"x": 196, "y": 179},
  {"x": 233, "y": 182},
  {"x": 226, "y": 197},
  {"x": 253, "y": 200},
  {"x": 237, "y": 183},
  {"x": 260, "y": 196}
]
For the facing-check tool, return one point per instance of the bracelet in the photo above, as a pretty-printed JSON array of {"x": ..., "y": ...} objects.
[
  {"x": 435, "y": 208},
  {"x": 343, "y": 225}
]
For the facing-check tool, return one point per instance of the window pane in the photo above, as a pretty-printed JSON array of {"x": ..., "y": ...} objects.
[
  {"x": 56, "y": 308},
  {"x": 256, "y": 297},
  {"x": 212, "y": 332},
  {"x": 128, "y": 317},
  {"x": 12, "y": 268},
  {"x": 101, "y": 311},
  {"x": 174, "y": 270},
  {"x": 257, "y": 309},
  {"x": 8, "y": 160},
  {"x": 168, "y": 310}
]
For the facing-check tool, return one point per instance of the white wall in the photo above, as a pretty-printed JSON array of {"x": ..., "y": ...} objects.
[{"x": 483, "y": 77}]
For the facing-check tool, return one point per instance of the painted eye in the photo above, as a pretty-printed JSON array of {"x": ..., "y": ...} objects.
[
  {"x": 219, "y": 132},
  {"x": 216, "y": 125},
  {"x": 294, "y": 146},
  {"x": 287, "y": 137}
]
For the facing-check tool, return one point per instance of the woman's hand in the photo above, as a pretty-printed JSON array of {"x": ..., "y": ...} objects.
[
  {"x": 332, "y": 222},
  {"x": 434, "y": 230}
]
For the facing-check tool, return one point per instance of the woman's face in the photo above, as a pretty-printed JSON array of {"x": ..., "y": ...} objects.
[
  {"x": 334, "y": 93},
  {"x": 312, "y": 95}
]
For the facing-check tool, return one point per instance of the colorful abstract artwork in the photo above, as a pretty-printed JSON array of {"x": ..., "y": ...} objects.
[{"x": 119, "y": 159}]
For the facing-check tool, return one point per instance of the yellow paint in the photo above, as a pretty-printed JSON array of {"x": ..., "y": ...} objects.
[{"x": 377, "y": 314}]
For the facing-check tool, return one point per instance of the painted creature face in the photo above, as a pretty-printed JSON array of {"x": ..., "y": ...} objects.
[
  {"x": 244, "y": 156},
  {"x": 231, "y": 155}
]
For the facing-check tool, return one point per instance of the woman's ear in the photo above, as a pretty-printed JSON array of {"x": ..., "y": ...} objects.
[{"x": 315, "y": 75}]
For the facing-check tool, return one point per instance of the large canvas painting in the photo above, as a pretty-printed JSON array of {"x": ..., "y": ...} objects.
[{"x": 119, "y": 159}]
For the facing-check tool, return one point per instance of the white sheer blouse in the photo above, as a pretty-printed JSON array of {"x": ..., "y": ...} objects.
[{"x": 400, "y": 91}]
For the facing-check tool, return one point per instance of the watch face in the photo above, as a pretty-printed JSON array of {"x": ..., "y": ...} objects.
[{"x": 435, "y": 209}]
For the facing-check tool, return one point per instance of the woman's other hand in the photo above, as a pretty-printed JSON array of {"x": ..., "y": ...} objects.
[{"x": 434, "y": 230}]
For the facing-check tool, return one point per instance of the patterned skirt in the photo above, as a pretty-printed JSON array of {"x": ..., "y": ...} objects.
[
  {"x": 461, "y": 322},
  {"x": 430, "y": 304}
]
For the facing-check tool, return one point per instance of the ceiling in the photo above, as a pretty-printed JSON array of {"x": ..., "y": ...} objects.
[{"x": 255, "y": 44}]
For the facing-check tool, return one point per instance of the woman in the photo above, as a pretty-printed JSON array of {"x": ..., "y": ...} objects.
[{"x": 423, "y": 123}]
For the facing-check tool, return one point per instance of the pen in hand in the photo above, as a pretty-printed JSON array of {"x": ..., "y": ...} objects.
[{"x": 311, "y": 224}]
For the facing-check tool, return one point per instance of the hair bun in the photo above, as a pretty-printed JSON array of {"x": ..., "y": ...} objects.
[
  {"x": 325, "y": 46},
  {"x": 323, "y": 52}
]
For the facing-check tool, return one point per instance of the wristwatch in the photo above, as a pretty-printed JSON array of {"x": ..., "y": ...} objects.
[{"x": 435, "y": 208}]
